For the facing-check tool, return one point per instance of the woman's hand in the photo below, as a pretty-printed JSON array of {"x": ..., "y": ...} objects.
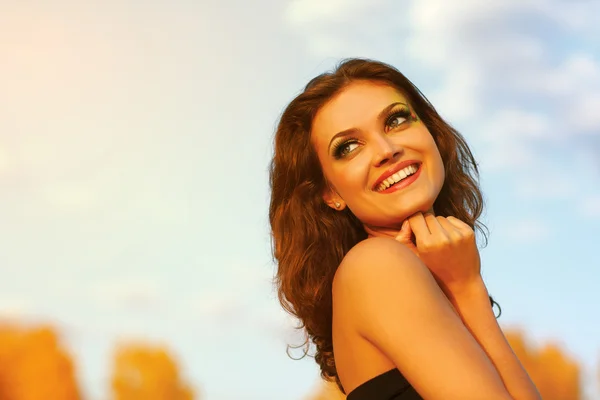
[{"x": 446, "y": 246}]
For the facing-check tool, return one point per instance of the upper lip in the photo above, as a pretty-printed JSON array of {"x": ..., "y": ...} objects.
[{"x": 392, "y": 170}]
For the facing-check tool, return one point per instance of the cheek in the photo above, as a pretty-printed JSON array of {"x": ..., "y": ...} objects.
[
  {"x": 350, "y": 179},
  {"x": 438, "y": 163},
  {"x": 442, "y": 174}
]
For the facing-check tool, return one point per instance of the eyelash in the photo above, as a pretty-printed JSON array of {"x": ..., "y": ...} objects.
[{"x": 402, "y": 113}]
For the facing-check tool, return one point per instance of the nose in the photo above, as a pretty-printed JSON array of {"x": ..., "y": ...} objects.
[{"x": 385, "y": 150}]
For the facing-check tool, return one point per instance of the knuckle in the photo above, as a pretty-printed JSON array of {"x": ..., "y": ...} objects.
[
  {"x": 444, "y": 241},
  {"x": 456, "y": 236},
  {"x": 426, "y": 245},
  {"x": 457, "y": 221}
]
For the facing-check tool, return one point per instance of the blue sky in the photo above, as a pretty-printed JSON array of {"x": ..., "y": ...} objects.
[{"x": 135, "y": 139}]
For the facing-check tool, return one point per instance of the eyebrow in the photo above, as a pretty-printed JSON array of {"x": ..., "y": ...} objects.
[{"x": 351, "y": 131}]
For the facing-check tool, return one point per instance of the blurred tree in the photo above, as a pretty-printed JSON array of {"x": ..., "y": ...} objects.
[
  {"x": 34, "y": 367},
  {"x": 556, "y": 375},
  {"x": 147, "y": 372}
]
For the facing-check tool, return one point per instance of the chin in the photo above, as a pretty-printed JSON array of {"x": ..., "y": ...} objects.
[
  {"x": 396, "y": 217},
  {"x": 424, "y": 206}
]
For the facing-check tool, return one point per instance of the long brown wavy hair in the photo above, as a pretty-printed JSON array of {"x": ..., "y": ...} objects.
[{"x": 310, "y": 239}]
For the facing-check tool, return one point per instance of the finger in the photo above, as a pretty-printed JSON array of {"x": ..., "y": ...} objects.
[
  {"x": 434, "y": 226},
  {"x": 405, "y": 236},
  {"x": 457, "y": 223},
  {"x": 452, "y": 230},
  {"x": 405, "y": 232},
  {"x": 418, "y": 225},
  {"x": 461, "y": 226}
]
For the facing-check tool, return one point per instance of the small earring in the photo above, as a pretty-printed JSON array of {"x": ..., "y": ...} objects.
[{"x": 337, "y": 205}]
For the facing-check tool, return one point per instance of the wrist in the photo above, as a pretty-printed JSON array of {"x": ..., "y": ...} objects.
[
  {"x": 467, "y": 292},
  {"x": 472, "y": 303}
]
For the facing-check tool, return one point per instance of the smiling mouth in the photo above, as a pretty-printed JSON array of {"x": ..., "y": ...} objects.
[{"x": 398, "y": 177}]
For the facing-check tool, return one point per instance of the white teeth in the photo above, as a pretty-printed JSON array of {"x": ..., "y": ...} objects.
[
  {"x": 392, "y": 179},
  {"x": 397, "y": 177}
]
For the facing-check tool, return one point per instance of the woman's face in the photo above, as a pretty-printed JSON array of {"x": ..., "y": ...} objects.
[{"x": 379, "y": 158}]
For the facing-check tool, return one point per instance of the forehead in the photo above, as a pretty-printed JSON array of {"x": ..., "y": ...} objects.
[{"x": 356, "y": 106}]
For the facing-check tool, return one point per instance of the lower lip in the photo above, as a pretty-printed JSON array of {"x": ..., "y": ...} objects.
[{"x": 404, "y": 183}]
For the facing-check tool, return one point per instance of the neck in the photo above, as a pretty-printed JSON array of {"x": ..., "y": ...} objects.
[
  {"x": 389, "y": 231},
  {"x": 376, "y": 231}
]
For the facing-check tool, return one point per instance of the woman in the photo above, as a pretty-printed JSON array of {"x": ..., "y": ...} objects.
[{"x": 374, "y": 202}]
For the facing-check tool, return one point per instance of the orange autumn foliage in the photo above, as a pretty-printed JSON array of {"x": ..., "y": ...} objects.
[
  {"x": 149, "y": 373},
  {"x": 33, "y": 366},
  {"x": 555, "y": 374}
]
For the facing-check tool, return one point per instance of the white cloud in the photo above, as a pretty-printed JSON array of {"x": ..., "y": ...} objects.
[
  {"x": 459, "y": 98},
  {"x": 13, "y": 308},
  {"x": 467, "y": 31},
  {"x": 239, "y": 294},
  {"x": 578, "y": 72},
  {"x": 573, "y": 87},
  {"x": 219, "y": 309},
  {"x": 584, "y": 114},
  {"x": 546, "y": 185},
  {"x": 475, "y": 47},
  {"x": 71, "y": 196},
  {"x": 527, "y": 230},
  {"x": 590, "y": 206},
  {"x": 340, "y": 28},
  {"x": 139, "y": 293},
  {"x": 511, "y": 124},
  {"x": 5, "y": 162},
  {"x": 507, "y": 154},
  {"x": 507, "y": 135},
  {"x": 580, "y": 16},
  {"x": 507, "y": 58},
  {"x": 306, "y": 12},
  {"x": 520, "y": 74},
  {"x": 249, "y": 303}
]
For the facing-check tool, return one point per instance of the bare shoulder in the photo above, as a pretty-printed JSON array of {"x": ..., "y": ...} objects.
[
  {"x": 375, "y": 259},
  {"x": 390, "y": 299},
  {"x": 381, "y": 275},
  {"x": 377, "y": 243}
]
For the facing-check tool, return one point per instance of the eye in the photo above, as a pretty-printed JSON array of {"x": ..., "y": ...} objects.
[
  {"x": 396, "y": 121},
  {"x": 343, "y": 149},
  {"x": 397, "y": 118}
]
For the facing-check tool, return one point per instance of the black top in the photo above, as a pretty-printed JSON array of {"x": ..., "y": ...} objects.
[{"x": 390, "y": 385}]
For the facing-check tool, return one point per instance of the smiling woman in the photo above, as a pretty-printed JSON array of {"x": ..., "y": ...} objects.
[
  {"x": 373, "y": 209},
  {"x": 386, "y": 142}
]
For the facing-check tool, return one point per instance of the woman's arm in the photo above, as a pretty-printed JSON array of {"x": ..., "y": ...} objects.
[
  {"x": 448, "y": 248},
  {"x": 472, "y": 303},
  {"x": 395, "y": 303}
]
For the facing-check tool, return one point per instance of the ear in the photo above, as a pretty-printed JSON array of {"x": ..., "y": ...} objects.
[{"x": 333, "y": 200}]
